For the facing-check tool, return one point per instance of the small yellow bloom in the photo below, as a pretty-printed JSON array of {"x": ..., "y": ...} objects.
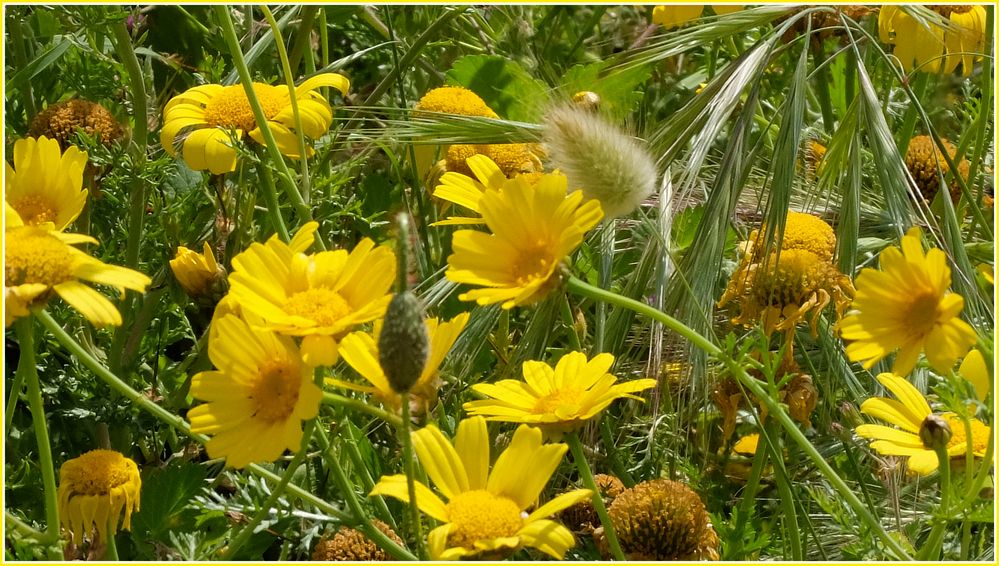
[
  {"x": 511, "y": 158},
  {"x": 486, "y": 513},
  {"x": 909, "y": 413},
  {"x": 558, "y": 400},
  {"x": 534, "y": 228},
  {"x": 674, "y": 16},
  {"x": 94, "y": 490},
  {"x": 906, "y": 306},
  {"x": 455, "y": 100},
  {"x": 196, "y": 273},
  {"x": 360, "y": 351},
  {"x": 924, "y": 46},
  {"x": 216, "y": 115},
  {"x": 38, "y": 262},
  {"x": 46, "y": 184},
  {"x": 258, "y": 396},
  {"x": 319, "y": 296}
]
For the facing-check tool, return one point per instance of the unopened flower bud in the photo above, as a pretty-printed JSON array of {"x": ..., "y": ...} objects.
[
  {"x": 935, "y": 432},
  {"x": 201, "y": 277},
  {"x": 587, "y": 100},
  {"x": 403, "y": 345}
]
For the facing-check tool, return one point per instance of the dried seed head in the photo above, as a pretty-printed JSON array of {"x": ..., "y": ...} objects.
[{"x": 599, "y": 159}]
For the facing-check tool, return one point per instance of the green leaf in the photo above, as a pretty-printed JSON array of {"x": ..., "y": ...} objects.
[
  {"x": 39, "y": 64},
  {"x": 165, "y": 494},
  {"x": 504, "y": 85},
  {"x": 617, "y": 88}
]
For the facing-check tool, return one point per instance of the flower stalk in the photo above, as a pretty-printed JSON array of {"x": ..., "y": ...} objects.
[
  {"x": 26, "y": 367},
  {"x": 576, "y": 447}
]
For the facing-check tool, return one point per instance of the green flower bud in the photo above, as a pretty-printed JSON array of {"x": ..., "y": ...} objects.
[{"x": 403, "y": 345}]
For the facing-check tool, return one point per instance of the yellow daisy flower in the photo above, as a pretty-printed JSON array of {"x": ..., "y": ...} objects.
[
  {"x": 511, "y": 158},
  {"x": 39, "y": 262},
  {"x": 906, "y": 306},
  {"x": 94, "y": 490},
  {"x": 558, "y": 400},
  {"x": 486, "y": 513},
  {"x": 780, "y": 290},
  {"x": 908, "y": 413},
  {"x": 46, "y": 184},
  {"x": 466, "y": 191},
  {"x": 319, "y": 296},
  {"x": 360, "y": 351},
  {"x": 258, "y": 396},
  {"x": 455, "y": 100},
  {"x": 802, "y": 231},
  {"x": 218, "y": 115},
  {"x": 674, "y": 16},
  {"x": 197, "y": 273},
  {"x": 534, "y": 228},
  {"x": 923, "y": 46}
]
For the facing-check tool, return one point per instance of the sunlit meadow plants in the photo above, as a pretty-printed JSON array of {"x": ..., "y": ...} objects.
[{"x": 351, "y": 283}]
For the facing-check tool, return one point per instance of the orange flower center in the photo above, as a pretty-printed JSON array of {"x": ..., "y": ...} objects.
[
  {"x": 276, "y": 390},
  {"x": 533, "y": 264},
  {"x": 480, "y": 515},
  {"x": 979, "y": 433},
  {"x": 34, "y": 209},
  {"x": 35, "y": 256},
  {"x": 231, "y": 109},
  {"x": 561, "y": 402},
  {"x": 320, "y": 304},
  {"x": 922, "y": 313},
  {"x": 97, "y": 472}
]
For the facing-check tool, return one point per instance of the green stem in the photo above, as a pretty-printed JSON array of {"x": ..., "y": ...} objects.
[
  {"x": 606, "y": 269},
  {"x": 748, "y": 501},
  {"x": 405, "y": 437},
  {"x": 357, "y": 461},
  {"x": 822, "y": 87},
  {"x": 270, "y": 196},
  {"x": 570, "y": 322},
  {"x": 111, "y": 545},
  {"x": 753, "y": 385},
  {"x": 918, "y": 89},
  {"x": 247, "y": 531},
  {"x": 289, "y": 79},
  {"x": 934, "y": 543},
  {"x": 21, "y": 59},
  {"x": 347, "y": 402},
  {"x": 140, "y": 133},
  {"x": 26, "y": 366},
  {"x": 302, "y": 36},
  {"x": 789, "y": 512},
  {"x": 14, "y": 394},
  {"x": 612, "y": 453},
  {"x": 238, "y": 61},
  {"x": 576, "y": 447},
  {"x": 362, "y": 519}
]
